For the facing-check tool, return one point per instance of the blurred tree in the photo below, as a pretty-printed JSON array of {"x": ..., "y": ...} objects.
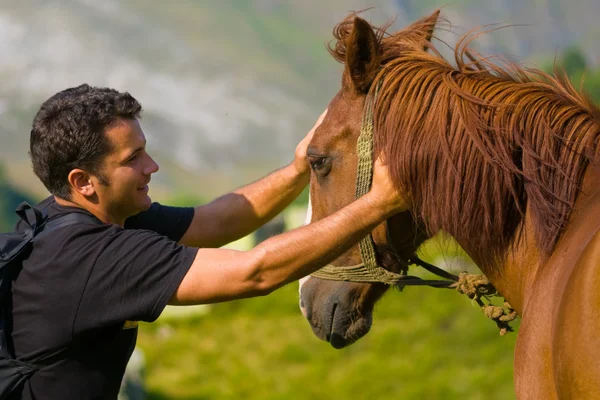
[
  {"x": 9, "y": 200},
  {"x": 573, "y": 61},
  {"x": 271, "y": 228},
  {"x": 302, "y": 199},
  {"x": 185, "y": 200},
  {"x": 591, "y": 84}
]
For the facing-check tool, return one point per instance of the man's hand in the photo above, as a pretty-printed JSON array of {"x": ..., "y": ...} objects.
[
  {"x": 300, "y": 161},
  {"x": 244, "y": 210},
  {"x": 385, "y": 192}
]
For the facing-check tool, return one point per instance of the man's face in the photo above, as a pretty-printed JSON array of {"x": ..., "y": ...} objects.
[{"x": 127, "y": 170}]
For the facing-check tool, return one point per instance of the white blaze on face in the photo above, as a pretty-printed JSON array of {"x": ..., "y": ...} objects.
[{"x": 307, "y": 220}]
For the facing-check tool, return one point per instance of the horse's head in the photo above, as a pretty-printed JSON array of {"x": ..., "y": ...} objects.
[{"x": 341, "y": 312}]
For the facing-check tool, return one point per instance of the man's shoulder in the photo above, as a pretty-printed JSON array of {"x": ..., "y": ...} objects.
[
  {"x": 55, "y": 210},
  {"x": 87, "y": 244},
  {"x": 168, "y": 221}
]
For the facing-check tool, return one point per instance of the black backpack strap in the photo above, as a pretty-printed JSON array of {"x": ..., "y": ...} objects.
[
  {"x": 33, "y": 216},
  {"x": 65, "y": 220}
]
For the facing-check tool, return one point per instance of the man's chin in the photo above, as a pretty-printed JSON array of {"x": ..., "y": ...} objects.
[
  {"x": 143, "y": 202},
  {"x": 146, "y": 203}
]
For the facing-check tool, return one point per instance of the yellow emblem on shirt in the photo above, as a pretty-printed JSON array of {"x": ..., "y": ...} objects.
[{"x": 130, "y": 324}]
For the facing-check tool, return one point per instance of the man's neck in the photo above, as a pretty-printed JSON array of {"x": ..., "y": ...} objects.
[{"x": 94, "y": 209}]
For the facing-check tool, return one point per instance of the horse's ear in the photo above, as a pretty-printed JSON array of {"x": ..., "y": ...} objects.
[
  {"x": 362, "y": 55},
  {"x": 425, "y": 26}
]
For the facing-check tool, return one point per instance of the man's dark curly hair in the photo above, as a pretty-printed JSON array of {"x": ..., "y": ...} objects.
[{"x": 69, "y": 132}]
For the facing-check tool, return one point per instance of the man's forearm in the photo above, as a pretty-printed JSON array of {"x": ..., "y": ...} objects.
[
  {"x": 271, "y": 194},
  {"x": 244, "y": 210},
  {"x": 295, "y": 254}
]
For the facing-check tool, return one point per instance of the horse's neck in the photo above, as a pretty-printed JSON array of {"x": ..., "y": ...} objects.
[
  {"x": 524, "y": 270},
  {"x": 514, "y": 276}
]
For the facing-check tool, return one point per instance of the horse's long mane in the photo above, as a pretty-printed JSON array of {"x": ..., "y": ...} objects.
[{"x": 479, "y": 144}]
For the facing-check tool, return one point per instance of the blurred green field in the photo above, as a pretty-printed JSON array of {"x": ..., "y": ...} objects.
[{"x": 424, "y": 344}]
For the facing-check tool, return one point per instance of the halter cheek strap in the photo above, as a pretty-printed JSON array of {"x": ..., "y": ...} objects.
[{"x": 368, "y": 270}]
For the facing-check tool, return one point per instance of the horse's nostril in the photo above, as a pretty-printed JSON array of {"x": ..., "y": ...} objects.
[{"x": 337, "y": 341}]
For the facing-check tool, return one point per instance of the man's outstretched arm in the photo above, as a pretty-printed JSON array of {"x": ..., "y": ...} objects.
[
  {"x": 244, "y": 210},
  {"x": 221, "y": 274}
]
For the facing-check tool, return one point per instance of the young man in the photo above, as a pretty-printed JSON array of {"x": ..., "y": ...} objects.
[{"x": 81, "y": 292}]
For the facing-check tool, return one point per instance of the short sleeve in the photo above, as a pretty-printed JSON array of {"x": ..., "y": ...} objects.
[
  {"x": 133, "y": 279},
  {"x": 171, "y": 222}
]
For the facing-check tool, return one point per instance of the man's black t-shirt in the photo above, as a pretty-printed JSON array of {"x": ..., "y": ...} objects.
[{"x": 83, "y": 289}]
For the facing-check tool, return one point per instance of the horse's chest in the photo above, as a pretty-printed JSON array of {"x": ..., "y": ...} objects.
[
  {"x": 556, "y": 354},
  {"x": 535, "y": 349},
  {"x": 534, "y": 358}
]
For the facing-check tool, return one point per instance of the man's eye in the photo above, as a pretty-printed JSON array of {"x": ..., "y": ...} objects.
[{"x": 320, "y": 165}]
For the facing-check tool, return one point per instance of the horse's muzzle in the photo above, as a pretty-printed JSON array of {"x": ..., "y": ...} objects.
[{"x": 334, "y": 317}]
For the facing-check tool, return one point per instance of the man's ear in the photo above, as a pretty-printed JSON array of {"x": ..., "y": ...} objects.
[
  {"x": 81, "y": 182},
  {"x": 362, "y": 55}
]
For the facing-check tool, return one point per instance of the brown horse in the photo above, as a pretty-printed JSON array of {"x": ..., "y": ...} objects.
[{"x": 501, "y": 158}]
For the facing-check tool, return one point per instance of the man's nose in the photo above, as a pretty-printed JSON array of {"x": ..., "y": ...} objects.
[{"x": 152, "y": 166}]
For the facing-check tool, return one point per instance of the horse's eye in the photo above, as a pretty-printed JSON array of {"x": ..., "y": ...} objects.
[{"x": 320, "y": 165}]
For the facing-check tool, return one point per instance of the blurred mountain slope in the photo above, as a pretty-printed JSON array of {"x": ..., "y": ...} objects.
[{"x": 228, "y": 87}]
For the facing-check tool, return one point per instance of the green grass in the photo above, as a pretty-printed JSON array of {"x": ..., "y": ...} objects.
[{"x": 424, "y": 344}]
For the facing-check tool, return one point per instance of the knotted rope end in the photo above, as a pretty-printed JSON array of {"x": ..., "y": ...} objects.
[{"x": 477, "y": 288}]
